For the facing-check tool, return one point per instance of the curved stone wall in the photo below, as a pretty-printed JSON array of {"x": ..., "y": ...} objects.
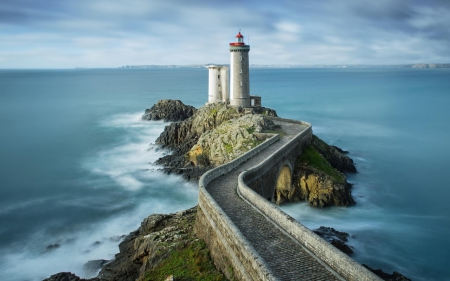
[
  {"x": 231, "y": 251},
  {"x": 246, "y": 262},
  {"x": 340, "y": 262}
]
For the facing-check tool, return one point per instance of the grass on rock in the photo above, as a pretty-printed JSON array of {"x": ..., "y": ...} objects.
[
  {"x": 311, "y": 157},
  {"x": 191, "y": 263}
]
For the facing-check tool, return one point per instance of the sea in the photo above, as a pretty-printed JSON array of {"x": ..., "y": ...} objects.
[{"x": 77, "y": 172}]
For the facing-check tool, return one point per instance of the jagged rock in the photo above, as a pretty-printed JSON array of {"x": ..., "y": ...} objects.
[
  {"x": 92, "y": 267},
  {"x": 265, "y": 111},
  {"x": 320, "y": 189},
  {"x": 144, "y": 248},
  {"x": 334, "y": 155},
  {"x": 319, "y": 177},
  {"x": 395, "y": 276},
  {"x": 169, "y": 111},
  {"x": 181, "y": 136},
  {"x": 229, "y": 140},
  {"x": 336, "y": 238},
  {"x": 67, "y": 276}
]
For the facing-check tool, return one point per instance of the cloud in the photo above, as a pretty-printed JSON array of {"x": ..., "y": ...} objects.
[{"x": 114, "y": 33}]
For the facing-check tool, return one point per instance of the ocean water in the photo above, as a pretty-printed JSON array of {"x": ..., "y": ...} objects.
[{"x": 76, "y": 161}]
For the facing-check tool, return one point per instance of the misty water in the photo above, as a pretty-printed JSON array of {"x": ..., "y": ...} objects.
[{"x": 76, "y": 161}]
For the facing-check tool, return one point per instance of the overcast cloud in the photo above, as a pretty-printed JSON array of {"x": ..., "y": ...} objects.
[{"x": 112, "y": 33}]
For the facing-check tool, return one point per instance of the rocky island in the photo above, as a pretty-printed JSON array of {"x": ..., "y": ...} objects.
[{"x": 165, "y": 246}]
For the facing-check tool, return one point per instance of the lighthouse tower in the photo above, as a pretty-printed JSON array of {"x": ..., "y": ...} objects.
[{"x": 239, "y": 73}]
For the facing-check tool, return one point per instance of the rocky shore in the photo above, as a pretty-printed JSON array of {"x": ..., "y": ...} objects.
[
  {"x": 206, "y": 138},
  {"x": 198, "y": 140},
  {"x": 217, "y": 133},
  {"x": 164, "y": 245}
]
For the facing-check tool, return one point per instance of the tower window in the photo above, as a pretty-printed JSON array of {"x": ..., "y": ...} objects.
[
  {"x": 241, "y": 83},
  {"x": 240, "y": 71},
  {"x": 240, "y": 58}
]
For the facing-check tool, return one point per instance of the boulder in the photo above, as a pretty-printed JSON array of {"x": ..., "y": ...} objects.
[
  {"x": 67, "y": 276},
  {"x": 169, "y": 111},
  {"x": 335, "y": 238},
  {"x": 395, "y": 276}
]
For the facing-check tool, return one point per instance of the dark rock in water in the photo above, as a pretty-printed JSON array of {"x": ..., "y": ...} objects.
[
  {"x": 335, "y": 237},
  {"x": 169, "y": 111},
  {"x": 338, "y": 239},
  {"x": 395, "y": 276},
  {"x": 52, "y": 247},
  {"x": 329, "y": 232},
  {"x": 67, "y": 276},
  {"x": 93, "y": 266},
  {"x": 334, "y": 155}
]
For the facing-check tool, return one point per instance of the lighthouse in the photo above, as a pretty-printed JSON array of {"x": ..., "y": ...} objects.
[{"x": 239, "y": 73}]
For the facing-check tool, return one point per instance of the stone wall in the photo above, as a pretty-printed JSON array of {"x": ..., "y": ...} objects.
[
  {"x": 340, "y": 262},
  {"x": 231, "y": 252}
]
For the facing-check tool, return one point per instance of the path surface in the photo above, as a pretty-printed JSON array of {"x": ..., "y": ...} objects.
[{"x": 286, "y": 258}]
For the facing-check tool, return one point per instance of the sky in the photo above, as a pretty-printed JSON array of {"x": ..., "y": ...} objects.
[{"x": 114, "y": 33}]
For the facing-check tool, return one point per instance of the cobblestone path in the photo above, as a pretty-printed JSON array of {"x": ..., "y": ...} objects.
[{"x": 285, "y": 257}]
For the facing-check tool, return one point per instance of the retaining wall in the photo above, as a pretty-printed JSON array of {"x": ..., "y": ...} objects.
[
  {"x": 227, "y": 245},
  {"x": 340, "y": 262}
]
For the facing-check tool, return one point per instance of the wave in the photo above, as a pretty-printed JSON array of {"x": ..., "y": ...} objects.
[{"x": 126, "y": 188}]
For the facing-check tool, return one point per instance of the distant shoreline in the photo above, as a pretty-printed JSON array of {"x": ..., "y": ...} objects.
[{"x": 420, "y": 65}]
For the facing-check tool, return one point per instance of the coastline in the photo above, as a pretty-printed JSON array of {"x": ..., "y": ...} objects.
[{"x": 133, "y": 233}]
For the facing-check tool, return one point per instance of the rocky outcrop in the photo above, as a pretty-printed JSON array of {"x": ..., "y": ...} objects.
[
  {"x": 144, "y": 248},
  {"x": 339, "y": 240},
  {"x": 67, "y": 276},
  {"x": 169, "y": 111},
  {"x": 336, "y": 238},
  {"x": 265, "y": 111},
  {"x": 229, "y": 140},
  {"x": 395, "y": 276},
  {"x": 318, "y": 181},
  {"x": 181, "y": 137},
  {"x": 320, "y": 189},
  {"x": 155, "y": 247},
  {"x": 206, "y": 118},
  {"x": 334, "y": 155}
]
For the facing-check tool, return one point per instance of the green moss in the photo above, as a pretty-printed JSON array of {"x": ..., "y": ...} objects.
[
  {"x": 311, "y": 157},
  {"x": 190, "y": 263},
  {"x": 213, "y": 111},
  {"x": 250, "y": 130},
  {"x": 228, "y": 148}
]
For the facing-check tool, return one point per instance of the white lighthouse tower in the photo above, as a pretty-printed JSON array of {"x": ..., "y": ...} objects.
[{"x": 239, "y": 73}]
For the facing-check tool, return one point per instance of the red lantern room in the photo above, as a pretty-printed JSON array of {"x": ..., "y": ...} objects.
[{"x": 239, "y": 40}]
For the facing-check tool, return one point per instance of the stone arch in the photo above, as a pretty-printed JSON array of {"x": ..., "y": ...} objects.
[{"x": 284, "y": 190}]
